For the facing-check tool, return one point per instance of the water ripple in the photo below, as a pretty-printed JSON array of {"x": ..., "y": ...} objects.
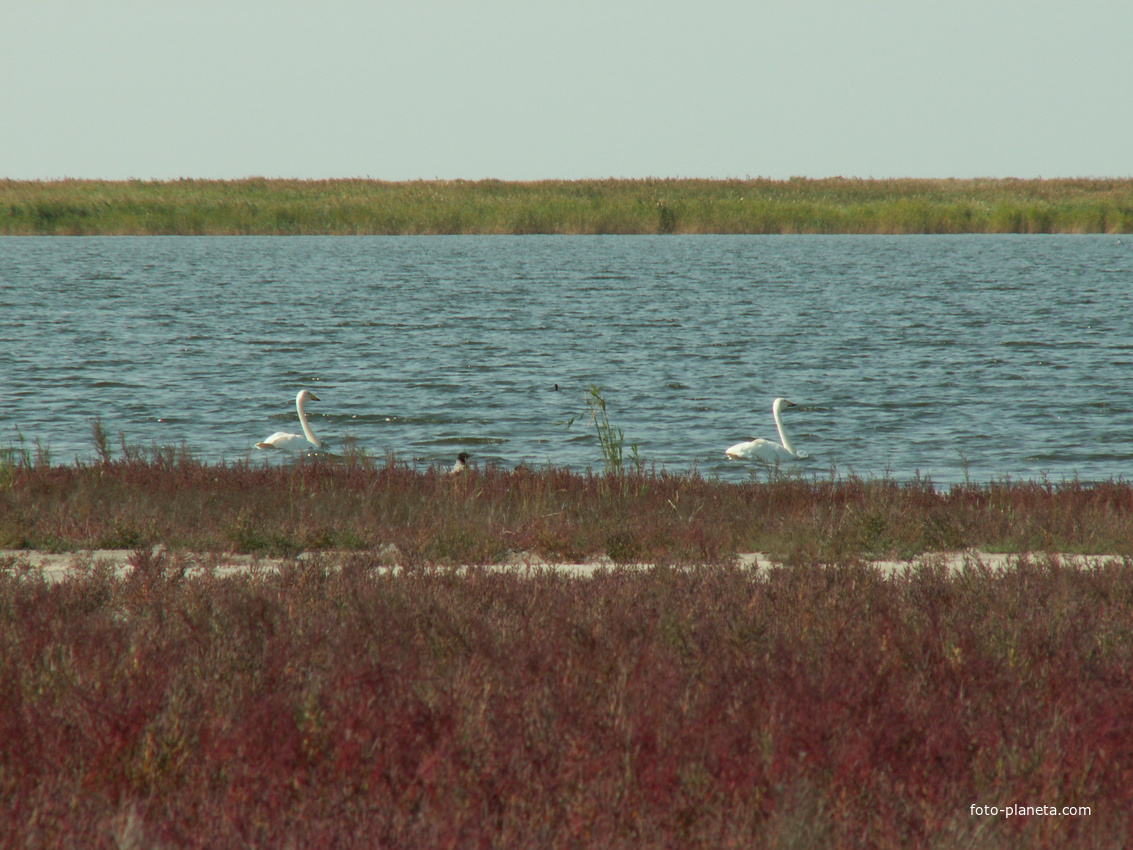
[{"x": 976, "y": 357}]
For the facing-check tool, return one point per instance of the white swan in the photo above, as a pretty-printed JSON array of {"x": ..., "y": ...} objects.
[
  {"x": 765, "y": 450},
  {"x": 295, "y": 442}
]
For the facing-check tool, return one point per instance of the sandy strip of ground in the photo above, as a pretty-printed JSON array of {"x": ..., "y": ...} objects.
[{"x": 57, "y": 566}]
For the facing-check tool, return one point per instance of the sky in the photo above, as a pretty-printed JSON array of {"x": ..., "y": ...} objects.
[{"x": 165, "y": 89}]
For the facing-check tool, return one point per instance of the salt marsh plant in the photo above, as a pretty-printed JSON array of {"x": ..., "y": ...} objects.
[
  {"x": 100, "y": 440},
  {"x": 168, "y": 496},
  {"x": 16, "y": 456},
  {"x": 691, "y": 703},
  {"x": 334, "y": 703}
]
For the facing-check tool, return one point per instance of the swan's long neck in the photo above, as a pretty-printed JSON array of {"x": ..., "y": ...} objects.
[
  {"x": 782, "y": 434},
  {"x": 307, "y": 432}
]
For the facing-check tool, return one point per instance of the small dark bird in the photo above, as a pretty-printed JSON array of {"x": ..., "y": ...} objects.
[{"x": 461, "y": 464}]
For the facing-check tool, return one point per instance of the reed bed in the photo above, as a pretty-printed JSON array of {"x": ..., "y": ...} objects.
[{"x": 345, "y": 207}]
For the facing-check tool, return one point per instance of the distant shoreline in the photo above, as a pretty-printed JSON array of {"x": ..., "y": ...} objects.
[{"x": 258, "y": 206}]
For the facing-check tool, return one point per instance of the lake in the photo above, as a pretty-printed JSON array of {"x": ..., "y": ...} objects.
[{"x": 979, "y": 358}]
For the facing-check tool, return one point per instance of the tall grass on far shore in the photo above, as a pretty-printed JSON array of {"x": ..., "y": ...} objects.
[
  {"x": 337, "y": 704},
  {"x": 166, "y": 495},
  {"x": 260, "y": 206}
]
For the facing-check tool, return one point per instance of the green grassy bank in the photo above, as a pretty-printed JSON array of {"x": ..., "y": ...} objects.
[{"x": 344, "y": 207}]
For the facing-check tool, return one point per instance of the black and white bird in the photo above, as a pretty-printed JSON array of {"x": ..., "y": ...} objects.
[{"x": 461, "y": 464}]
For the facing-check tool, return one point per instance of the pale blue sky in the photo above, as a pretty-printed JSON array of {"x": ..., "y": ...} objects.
[{"x": 528, "y": 90}]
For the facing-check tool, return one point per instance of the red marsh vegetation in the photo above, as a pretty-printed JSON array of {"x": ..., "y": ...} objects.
[
  {"x": 692, "y": 703},
  {"x": 339, "y": 704},
  {"x": 167, "y": 496}
]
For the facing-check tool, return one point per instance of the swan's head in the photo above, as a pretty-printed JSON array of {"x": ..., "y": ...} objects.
[
  {"x": 780, "y": 403},
  {"x": 306, "y": 395}
]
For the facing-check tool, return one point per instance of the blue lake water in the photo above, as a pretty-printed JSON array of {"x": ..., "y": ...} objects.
[{"x": 951, "y": 357}]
